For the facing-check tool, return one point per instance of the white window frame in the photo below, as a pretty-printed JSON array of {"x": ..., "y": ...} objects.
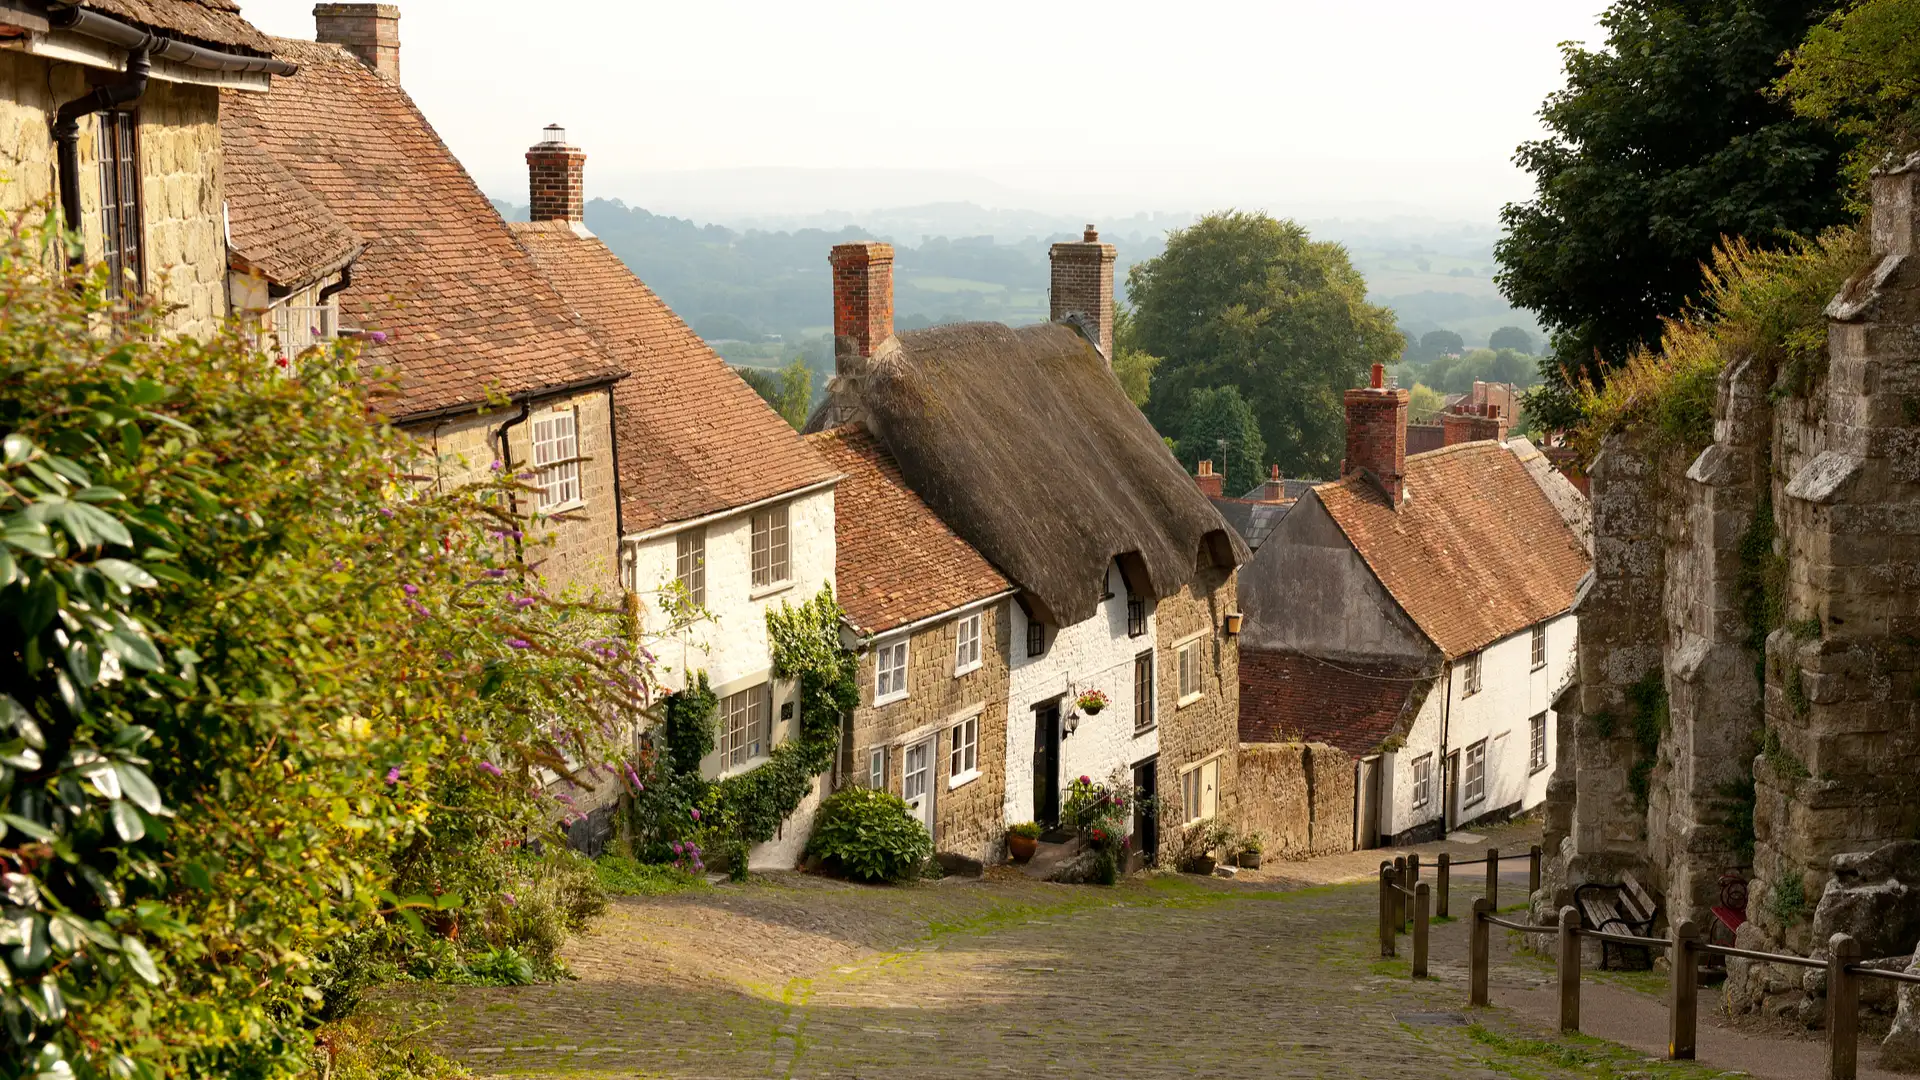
[
  {"x": 966, "y": 643},
  {"x": 1189, "y": 679},
  {"x": 745, "y": 739},
  {"x": 877, "y": 768},
  {"x": 1473, "y": 770},
  {"x": 556, "y": 460},
  {"x": 1537, "y": 743},
  {"x": 890, "y": 671},
  {"x": 963, "y": 751},
  {"x": 1200, "y": 791},
  {"x": 1470, "y": 676},
  {"x": 690, "y": 565},
  {"x": 1422, "y": 781},
  {"x": 1539, "y": 645},
  {"x": 770, "y": 550}
]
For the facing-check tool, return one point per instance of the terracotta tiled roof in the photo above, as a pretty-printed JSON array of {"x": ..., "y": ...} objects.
[
  {"x": 694, "y": 438},
  {"x": 465, "y": 309},
  {"x": 1287, "y": 697},
  {"x": 274, "y": 225},
  {"x": 897, "y": 562},
  {"x": 214, "y": 22},
  {"x": 1475, "y": 552}
]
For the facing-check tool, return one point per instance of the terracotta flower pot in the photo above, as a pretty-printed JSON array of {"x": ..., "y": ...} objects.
[{"x": 1022, "y": 847}]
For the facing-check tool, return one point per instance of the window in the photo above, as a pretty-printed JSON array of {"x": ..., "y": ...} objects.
[
  {"x": 556, "y": 458},
  {"x": 1476, "y": 784},
  {"x": 1143, "y": 691},
  {"x": 1422, "y": 781},
  {"x": 744, "y": 730},
  {"x": 1540, "y": 646},
  {"x": 877, "y": 768},
  {"x": 1471, "y": 680},
  {"x": 1197, "y": 791},
  {"x": 770, "y": 562},
  {"x": 890, "y": 672},
  {"x": 122, "y": 228},
  {"x": 1136, "y": 618},
  {"x": 690, "y": 565},
  {"x": 1036, "y": 637},
  {"x": 1190, "y": 685},
  {"x": 964, "y": 757},
  {"x": 966, "y": 649},
  {"x": 1537, "y": 757}
]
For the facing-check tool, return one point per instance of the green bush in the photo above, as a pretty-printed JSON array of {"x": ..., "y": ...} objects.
[
  {"x": 622, "y": 876},
  {"x": 869, "y": 836}
]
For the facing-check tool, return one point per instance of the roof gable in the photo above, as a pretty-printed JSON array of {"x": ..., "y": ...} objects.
[{"x": 1475, "y": 553}]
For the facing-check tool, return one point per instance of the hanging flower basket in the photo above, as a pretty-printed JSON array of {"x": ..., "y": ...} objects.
[{"x": 1091, "y": 702}]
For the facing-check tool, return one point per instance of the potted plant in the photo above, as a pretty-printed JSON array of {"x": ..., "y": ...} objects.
[
  {"x": 1251, "y": 845},
  {"x": 1023, "y": 840},
  {"x": 1091, "y": 702}
]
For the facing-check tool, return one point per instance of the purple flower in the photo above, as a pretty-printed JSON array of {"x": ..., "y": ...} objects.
[
  {"x": 696, "y": 813},
  {"x": 393, "y": 776},
  {"x": 677, "y": 849},
  {"x": 508, "y": 897},
  {"x": 314, "y": 330},
  {"x": 519, "y": 643},
  {"x": 496, "y": 465},
  {"x": 386, "y": 511},
  {"x": 380, "y": 337},
  {"x": 490, "y": 768},
  {"x": 410, "y": 589},
  {"x": 632, "y": 777},
  {"x": 523, "y": 602},
  {"x": 497, "y": 572}
]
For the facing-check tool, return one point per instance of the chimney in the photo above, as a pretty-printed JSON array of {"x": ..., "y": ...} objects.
[
  {"x": 556, "y": 178},
  {"x": 862, "y": 301},
  {"x": 1377, "y": 435},
  {"x": 1275, "y": 489},
  {"x": 1083, "y": 286},
  {"x": 368, "y": 31},
  {"x": 1211, "y": 483},
  {"x": 1472, "y": 423}
]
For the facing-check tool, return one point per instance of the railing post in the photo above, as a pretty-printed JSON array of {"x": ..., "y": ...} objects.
[
  {"x": 1441, "y": 872},
  {"x": 1683, "y": 1017},
  {"x": 1399, "y": 897},
  {"x": 1477, "y": 943},
  {"x": 1533, "y": 870},
  {"x": 1413, "y": 879},
  {"x": 1386, "y": 909},
  {"x": 1493, "y": 877},
  {"x": 1421, "y": 901},
  {"x": 1843, "y": 1008},
  {"x": 1569, "y": 969}
]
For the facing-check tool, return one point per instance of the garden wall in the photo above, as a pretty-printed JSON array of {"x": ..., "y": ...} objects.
[{"x": 1298, "y": 796}]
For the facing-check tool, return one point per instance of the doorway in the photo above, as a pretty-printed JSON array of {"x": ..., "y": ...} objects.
[
  {"x": 916, "y": 782},
  {"x": 1046, "y": 764},
  {"x": 1146, "y": 820},
  {"x": 1450, "y": 808}
]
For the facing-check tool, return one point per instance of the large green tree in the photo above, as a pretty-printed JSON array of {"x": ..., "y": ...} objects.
[
  {"x": 1220, "y": 427},
  {"x": 1860, "y": 73},
  {"x": 1662, "y": 142},
  {"x": 1247, "y": 301}
]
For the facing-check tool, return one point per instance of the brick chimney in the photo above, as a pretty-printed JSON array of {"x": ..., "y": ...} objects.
[
  {"x": 368, "y": 31},
  {"x": 1472, "y": 423},
  {"x": 1377, "y": 435},
  {"x": 862, "y": 301},
  {"x": 1083, "y": 286},
  {"x": 1211, "y": 483},
  {"x": 1275, "y": 489},
  {"x": 556, "y": 178}
]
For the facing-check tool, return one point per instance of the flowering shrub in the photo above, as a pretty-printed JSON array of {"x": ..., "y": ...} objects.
[
  {"x": 1091, "y": 701},
  {"x": 1101, "y": 814},
  {"x": 869, "y": 836}
]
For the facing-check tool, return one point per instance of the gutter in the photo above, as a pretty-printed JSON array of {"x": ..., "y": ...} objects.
[
  {"x": 112, "y": 31},
  {"x": 66, "y": 135}
]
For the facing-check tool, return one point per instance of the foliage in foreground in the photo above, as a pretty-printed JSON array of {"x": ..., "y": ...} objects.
[
  {"x": 868, "y": 835},
  {"x": 251, "y": 678}
]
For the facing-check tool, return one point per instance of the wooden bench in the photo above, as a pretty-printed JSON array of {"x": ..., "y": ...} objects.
[{"x": 1626, "y": 908}]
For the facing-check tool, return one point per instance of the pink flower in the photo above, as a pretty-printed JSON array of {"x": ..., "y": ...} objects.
[
  {"x": 490, "y": 768},
  {"x": 696, "y": 813},
  {"x": 393, "y": 775}
]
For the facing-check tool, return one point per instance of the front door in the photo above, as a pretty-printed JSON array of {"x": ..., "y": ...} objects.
[
  {"x": 1046, "y": 764},
  {"x": 1450, "y": 807},
  {"x": 916, "y": 783},
  {"x": 1146, "y": 823}
]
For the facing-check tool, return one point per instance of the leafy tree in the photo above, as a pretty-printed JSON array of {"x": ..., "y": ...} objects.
[
  {"x": 1661, "y": 143},
  {"x": 1859, "y": 72},
  {"x": 1441, "y": 343},
  {"x": 1511, "y": 337},
  {"x": 1424, "y": 403},
  {"x": 1219, "y": 426},
  {"x": 1247, "y": 301},
  {"x": 790, "y": 392},
  {"x": 1132, "y": 365}
]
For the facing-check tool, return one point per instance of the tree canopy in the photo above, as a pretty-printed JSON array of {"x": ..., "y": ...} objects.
[
  {"x": 1663, "y": 142},
  {"x": 1220, "y": 427},
  {"x": 789, "y": 390},
  {"x": 1246, "y": 301},
  {"x": 1859, "y": 71},
  {"x": 1511, "y": 337}
]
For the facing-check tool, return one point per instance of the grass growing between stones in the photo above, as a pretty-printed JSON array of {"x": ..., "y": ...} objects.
[
  {"x": 621, "y": 876},
  {"x": 1523, "y": 1057}
]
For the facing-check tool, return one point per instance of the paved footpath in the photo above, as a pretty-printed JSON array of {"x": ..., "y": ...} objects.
[{"x": 1274, "y": 975}]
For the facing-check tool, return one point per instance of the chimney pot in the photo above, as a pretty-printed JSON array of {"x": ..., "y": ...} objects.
[
  {"x": 1083, "y": 285},
  {"x": 1091, "y": 235},
  {"x": 1379, "y": 376},
  {"x": 1211, "y": 483},
  {"x": 370, "y": 32}
]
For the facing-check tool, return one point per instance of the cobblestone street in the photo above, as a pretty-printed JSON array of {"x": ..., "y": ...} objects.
[{"x": 797, "y": 976}]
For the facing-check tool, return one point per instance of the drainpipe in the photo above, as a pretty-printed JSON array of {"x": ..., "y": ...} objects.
[
  {"x": 1448, "y": 782},
  {"x": 328, "y": 293},
  {"x": 506, "y": 463},
  {"x": 66, "y": 133}
]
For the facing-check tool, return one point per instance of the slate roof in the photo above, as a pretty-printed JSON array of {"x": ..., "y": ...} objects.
[
  {"x": 1476, "y": 551},
  {"x": 210, "y": 22},
  {"x": 694, "y": 438},
  {"x": 466, "y": 310},
  {"x": 1253, "y": 519},
  {"x": 897, "y": 562},
  {"x": 276, "y": 226},
  {"x": 1290, "y": 697}
]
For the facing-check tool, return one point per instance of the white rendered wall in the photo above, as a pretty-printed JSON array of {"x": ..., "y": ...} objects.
[
  {"x": 730, "y": 645},
  {"x": 1095, "y": 653}
]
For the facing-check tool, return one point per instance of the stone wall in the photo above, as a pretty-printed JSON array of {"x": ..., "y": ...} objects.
[
  {"x": 1208, "y": 728},
  {"x": 1297, "y": 796}
]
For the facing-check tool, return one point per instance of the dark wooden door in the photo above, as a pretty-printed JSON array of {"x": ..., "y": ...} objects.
[
  {"x": 1046, "y": 765},
  {"x": 1146, "y": 823}
]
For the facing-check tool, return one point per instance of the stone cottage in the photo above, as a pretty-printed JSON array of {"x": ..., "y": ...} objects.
[
  {"x": 936, "y": 619},
  {"x": 1023, "y": 442},
  {"x": 109, "y": 115},
  {"x": 1428, "y": 597}
]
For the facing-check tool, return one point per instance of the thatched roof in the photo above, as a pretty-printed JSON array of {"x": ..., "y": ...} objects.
[{"x": 1023, "y": 441}]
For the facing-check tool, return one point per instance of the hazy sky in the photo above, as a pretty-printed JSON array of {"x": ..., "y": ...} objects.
[{"x": 1306, "y": 107}]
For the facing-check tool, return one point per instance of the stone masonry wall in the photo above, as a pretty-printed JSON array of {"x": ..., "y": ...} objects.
[
  {"x": 1209, "y": 727},
  {"x": 1297, "y": 796}
]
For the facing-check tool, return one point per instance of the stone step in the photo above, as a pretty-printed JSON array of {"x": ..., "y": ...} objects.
[{"x": 1048, "y": 857}]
